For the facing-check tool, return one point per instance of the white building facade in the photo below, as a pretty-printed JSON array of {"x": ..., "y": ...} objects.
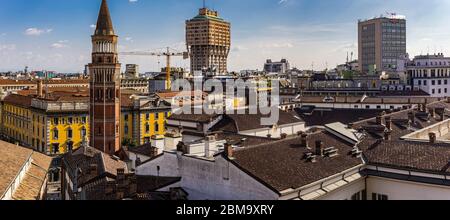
[{"x": 431, "y": 73}]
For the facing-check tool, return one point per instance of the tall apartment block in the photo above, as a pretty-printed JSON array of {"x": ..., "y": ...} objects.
[
  {"x": 105, "y": 86},
  {"x": 208, "y": 42},
  {"x": 381, "y": 42}
]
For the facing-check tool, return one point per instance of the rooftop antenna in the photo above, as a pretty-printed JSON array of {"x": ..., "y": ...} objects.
[
  {"x": 347, "y": 57},
  {"x": 204, "y": 3}
]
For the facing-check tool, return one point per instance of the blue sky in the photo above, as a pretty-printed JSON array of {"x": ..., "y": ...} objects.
[{"x": 55, "y": 34}]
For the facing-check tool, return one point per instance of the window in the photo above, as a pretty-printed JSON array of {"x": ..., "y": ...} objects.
[
  {"x": 126, "y": 117},
  {"x": 69, "y": 133},
  {"x": 367, "y": 106},
  {"x": 156, "y": 127},
  {"x": 433, "y": 82},
  {"x": 147, "y": 128},
  {"x": 55, "y": 121},
  {"x": 126, "y": 129},
  {"x": 83, "y": 132},
  {"x": 147, "y": 116},
  {"x": 360, "y": 195},
  {"x": 55, "y": 134},
  {"x": 70, "y": 120},
  {"x": 83, "y": 119},
  {"x": 376, "y": 196},
  {"x": 433, "y": 91}
]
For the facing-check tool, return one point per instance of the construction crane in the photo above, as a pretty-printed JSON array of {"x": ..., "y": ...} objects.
[{"x": 168, "y": 54}]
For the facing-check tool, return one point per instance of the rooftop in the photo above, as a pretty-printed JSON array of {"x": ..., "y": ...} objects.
[
  {"x": 282, "y": 165},
  {"x": 12, "y": 161}
]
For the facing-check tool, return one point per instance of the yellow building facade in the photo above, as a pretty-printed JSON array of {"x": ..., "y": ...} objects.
[
  {"x": 143, "y": 117},
  {"x": 50, "y": 126},
  {"x": 56, "y": 126}
]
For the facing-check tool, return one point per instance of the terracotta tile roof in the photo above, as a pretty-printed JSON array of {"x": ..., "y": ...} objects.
[
  {"x": 145, "y": 149},
  {"x": 170, "y": 94},
  {"x": 281, "y": 165},
  {"x": 50, "y": 82},
  {"x": 19, "y": 100},
  {"x": 85, "y": 157},
  {"x": 12, "y": 159},
  {"x": 16, "y": 82},
  {"x": 202, "y": 118}
]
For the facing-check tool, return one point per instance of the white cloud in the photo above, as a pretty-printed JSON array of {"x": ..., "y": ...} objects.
[
  {"x": 276, "y": 45},
  {"x": 37, "y": 32},
  {"x": 92, "y": 26},
  {"x": 7, "y": 47},
  {"x": 129, "y": 39},
  {"x": 60, "y": 44}
]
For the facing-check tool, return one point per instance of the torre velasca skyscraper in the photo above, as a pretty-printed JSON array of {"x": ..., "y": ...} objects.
[
  {"x": 105, "y": 86},
  {"x": 208, "y": 42}
]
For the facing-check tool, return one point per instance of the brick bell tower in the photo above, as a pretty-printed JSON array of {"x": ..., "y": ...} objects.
[{"x": 104, "y": 86}]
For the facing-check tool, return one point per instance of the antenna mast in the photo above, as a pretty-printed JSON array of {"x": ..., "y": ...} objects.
[{"x": 204, "y": 3}]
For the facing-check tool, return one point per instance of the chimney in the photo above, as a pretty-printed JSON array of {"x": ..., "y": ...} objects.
[
  {"x": 433, "y": 137},
  {"x": 157, "y": 141},
  {"x": 229, "y": 151},
  {"x": 137, "y": 162},
  {"x": 210, "y": 146},
  {"x": 304, "y": 140},
  {"x": 154, "y": 152},
  {"x": 387, "y": 135},
  {"x": 412, "y": 117},
  {"x": 389, "y": 123},
  {"x": 40, "y": 89},
  {"x": 319, "y": 148}
]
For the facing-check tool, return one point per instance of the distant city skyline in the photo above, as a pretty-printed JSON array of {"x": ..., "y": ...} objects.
[{"x": 55, "y": 35}]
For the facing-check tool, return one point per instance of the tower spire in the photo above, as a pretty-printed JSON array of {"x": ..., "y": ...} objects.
[{"x": 104, "y": 22}]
